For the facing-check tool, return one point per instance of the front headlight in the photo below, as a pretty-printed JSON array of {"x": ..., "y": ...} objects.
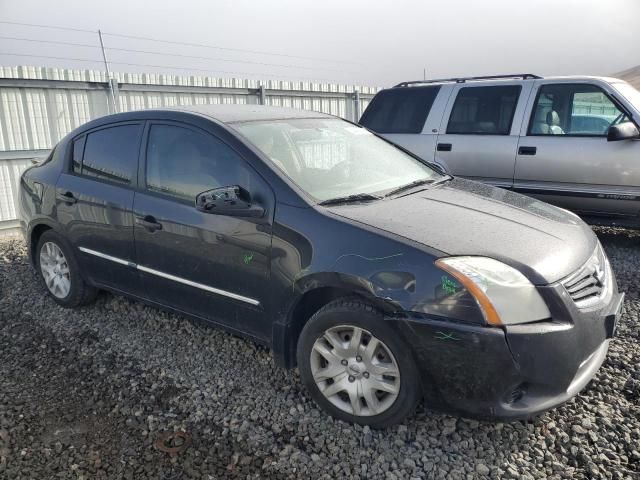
[{"x": 504, "y": 295}]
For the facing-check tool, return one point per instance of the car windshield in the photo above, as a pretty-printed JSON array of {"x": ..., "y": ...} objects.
[
  {"x": 630, "y": 93},
  {"x": 332, "y": 159}
]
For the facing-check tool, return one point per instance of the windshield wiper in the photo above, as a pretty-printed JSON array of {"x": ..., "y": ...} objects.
[
  {"x": 415, "y": 183},
  {"x": 356, "y": 197}
]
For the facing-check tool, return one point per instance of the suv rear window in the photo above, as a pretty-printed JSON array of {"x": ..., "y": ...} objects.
[
  {"x": 109, "y": 154},
  {"x": 399, "y": 110},
  {"x": 484, "y": 110}
]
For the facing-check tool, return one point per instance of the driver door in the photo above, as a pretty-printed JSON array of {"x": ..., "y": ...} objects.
[
  {"x": 208, "y": 265},
  {"x": 564, "y": 157}
]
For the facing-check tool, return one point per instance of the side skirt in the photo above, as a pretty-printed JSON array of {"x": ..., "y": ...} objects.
[{"x": 203, "y": 320}]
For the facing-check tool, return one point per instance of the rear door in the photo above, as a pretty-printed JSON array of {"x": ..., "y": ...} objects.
[
  {"x": 212, "y": 266},
  {"x": 408, "y": 116},
  {"x": 564, "y": 157},
  {"x": 479, "y": 131},
  {"x": 94, "y": 201}
]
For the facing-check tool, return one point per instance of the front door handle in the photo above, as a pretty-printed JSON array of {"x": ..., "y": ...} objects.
[
  {"x": 66, "y": 197},
  {"x": 149, "y": 222},
  {"x": 444, "y": 147},
  {"x": 527, "y": 150}
]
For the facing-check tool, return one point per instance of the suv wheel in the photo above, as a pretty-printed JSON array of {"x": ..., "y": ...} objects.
[
  {"x": 356, "y": 367},
  {"x": 60, "y": 272}
]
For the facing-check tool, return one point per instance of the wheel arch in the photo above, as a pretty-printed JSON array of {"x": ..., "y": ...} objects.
[
  {"x": 286, "y": 332},
  {"x": 34, "y": 237}
]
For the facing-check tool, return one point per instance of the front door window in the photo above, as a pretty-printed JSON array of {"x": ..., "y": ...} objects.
[
  {"x": 573, "y": 110},
  {"x": 182, "y": 163}
]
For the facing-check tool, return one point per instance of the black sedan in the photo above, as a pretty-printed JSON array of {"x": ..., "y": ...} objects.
[{"x": 382, "y": 279}]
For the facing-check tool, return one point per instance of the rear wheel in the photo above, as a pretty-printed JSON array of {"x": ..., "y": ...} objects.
[
  {"x": 356, "y": 367},
  {"x": 60, "y": 272}
]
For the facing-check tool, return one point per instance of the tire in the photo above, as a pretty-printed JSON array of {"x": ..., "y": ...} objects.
[
  {"x": 69, "y": 288},
  {"x": 329, "y": 361}
]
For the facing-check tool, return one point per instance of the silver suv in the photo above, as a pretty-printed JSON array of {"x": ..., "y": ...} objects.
[{"x": 570, "y": 141}]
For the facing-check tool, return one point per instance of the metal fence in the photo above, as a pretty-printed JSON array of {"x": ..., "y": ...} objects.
[{"x": 39, "y": 106}]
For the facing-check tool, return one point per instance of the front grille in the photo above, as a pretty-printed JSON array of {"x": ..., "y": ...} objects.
[{"x": 589, "y": 283}]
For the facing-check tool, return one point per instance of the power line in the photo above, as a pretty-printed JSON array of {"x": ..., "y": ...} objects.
[
  {"x": 49, "y": 56},
  {"x": 57, "y": 42},
  {"x": 48, "y": 26},
  {"x": 188, "y": 44},
  {"x": 170, "y": 67},
  {"x": 201, "y": 45},
  {"x": 225, "y": 59},
  {"x": 250, "y": 62}
]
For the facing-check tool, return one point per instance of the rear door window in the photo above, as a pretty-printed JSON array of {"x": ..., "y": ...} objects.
[
  {"x": 109, "y": 154},
  {"x": 400, "y": 110},
  {"x": 484, "y": 110}
]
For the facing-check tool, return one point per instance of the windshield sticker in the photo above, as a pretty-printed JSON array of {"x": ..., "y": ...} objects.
[{"x": 248, "y": 257}]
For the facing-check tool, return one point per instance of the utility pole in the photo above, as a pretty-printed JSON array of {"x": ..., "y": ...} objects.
[
  {"x": 424, "y": 73},
  {"x": 109, "y": 79}
]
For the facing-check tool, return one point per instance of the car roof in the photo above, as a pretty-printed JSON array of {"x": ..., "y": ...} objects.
[
  {"x": 224, "y": 114},
  {"x": 231, "y": 113}
]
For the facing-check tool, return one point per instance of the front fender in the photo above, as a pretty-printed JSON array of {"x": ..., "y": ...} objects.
[{"x": 385, "y": 281}]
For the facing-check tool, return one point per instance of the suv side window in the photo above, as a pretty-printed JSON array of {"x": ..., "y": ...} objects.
[
  {"x": 484, "y": 110},
  {"x": 182, "y": 163},
  {"x": 573, "y": 110},
  {"x": 108, "y": 154},
  {"x": 400, "y": 110}
]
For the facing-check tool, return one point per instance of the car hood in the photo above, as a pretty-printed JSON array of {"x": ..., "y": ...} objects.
[{"x": 462, "y": 217}]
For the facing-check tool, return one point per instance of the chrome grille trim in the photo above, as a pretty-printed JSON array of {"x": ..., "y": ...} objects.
[{"x": 590, "y": 283}]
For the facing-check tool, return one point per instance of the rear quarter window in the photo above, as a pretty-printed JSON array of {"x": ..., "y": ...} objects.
[
  {"x": 78, "y": 151},
  {"x": 400, "y": 110},
  {"x": 110, "y": 153}
]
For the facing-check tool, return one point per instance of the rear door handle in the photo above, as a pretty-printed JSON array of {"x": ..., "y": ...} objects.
[
  {"x": 149, "y": 222},
  {"x": 66, "y": 197},
  {"x": 527, "y": 150},
  {"x": 444, "y": 147}
]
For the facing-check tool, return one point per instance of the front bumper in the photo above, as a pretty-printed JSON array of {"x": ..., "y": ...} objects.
[{"x": 514, "y": 372}]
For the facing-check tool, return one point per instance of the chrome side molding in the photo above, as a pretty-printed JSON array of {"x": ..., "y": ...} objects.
[{"x": 168, "y": 276}]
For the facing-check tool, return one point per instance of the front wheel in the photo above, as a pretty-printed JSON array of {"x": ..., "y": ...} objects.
[{"x": 356, "y": 367}]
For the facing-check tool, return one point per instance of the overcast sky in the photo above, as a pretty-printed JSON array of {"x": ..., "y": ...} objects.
[{"x": 367, "y": 42}]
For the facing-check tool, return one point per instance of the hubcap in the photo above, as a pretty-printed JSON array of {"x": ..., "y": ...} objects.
[
  {"x": 55, "y": 270},
  {"x": 355, "y": 371}
]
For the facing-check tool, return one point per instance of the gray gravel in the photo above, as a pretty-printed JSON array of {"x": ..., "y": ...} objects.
[{"x": 84, "y": 394}]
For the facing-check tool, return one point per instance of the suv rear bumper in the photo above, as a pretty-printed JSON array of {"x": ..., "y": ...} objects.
[{"x": 516, "y": 372}]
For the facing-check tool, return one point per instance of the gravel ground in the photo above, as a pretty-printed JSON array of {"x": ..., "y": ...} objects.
[{"x": 85, "y": 393}]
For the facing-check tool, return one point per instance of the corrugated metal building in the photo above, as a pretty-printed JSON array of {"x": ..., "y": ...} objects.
[{"x": 39, "y": 106}]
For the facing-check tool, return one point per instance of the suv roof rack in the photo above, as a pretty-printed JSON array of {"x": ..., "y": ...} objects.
[{"x": 524, "y": 76}]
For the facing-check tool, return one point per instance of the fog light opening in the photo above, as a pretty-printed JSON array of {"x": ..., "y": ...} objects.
[{"x": 517, "y": 393}]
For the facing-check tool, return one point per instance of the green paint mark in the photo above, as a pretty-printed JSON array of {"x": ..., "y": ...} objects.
[
  {"x": 445, "y": 336},
  {"x": 449, "y": 286},
  {"x": 369, "y": 259},
  {"x": 247, "y": 258}
]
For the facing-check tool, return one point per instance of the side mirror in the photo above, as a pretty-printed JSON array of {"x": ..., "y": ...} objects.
[
  {"x": 233, "y": 201},
  {"x": 622, "y": 131}
]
